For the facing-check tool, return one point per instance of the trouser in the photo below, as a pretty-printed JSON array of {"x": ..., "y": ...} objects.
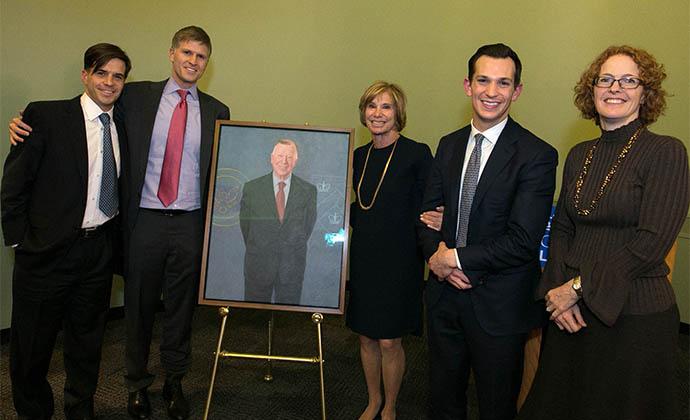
[
  {"x": 457, "y": 343},
  {"x": 164, "y": 258},
  {"x": 75, "y": 295}
]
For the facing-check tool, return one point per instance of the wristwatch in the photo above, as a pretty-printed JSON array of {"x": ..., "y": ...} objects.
[{"x": 577, "y": 286}]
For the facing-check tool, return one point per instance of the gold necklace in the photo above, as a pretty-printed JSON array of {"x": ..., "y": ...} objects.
[
  {"x": 364, "y": 171},
  {"x": 607, "y": 179}
]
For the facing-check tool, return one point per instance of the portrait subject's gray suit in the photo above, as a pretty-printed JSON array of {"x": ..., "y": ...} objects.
[{"x": 276, "y": 253}]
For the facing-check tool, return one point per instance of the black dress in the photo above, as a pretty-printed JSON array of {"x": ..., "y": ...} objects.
[{"x": 386, "y": 265}]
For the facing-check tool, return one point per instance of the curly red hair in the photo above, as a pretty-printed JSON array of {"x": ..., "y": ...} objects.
[{"x": 652, "y": 73}]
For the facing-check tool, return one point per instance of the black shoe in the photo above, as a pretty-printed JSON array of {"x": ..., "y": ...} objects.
[
  {"x": 138, "y": 405},
  {"x": 177, "y": 405}
]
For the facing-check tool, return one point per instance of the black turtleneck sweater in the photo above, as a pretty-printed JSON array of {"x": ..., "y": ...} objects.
[{"x": 619, "y": 248}]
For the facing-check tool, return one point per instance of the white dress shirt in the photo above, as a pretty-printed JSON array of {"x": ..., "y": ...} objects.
[
  {"x": 93, "y": 216},
  {"x": 490, "y": 138}
]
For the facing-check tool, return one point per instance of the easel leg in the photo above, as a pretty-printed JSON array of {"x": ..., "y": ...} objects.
[
  {"x": 224, "y": 315},
  {"x": 268, "y": 377},
  {"x": 318, "y": 319}
]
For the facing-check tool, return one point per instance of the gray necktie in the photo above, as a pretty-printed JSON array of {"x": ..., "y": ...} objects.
[
  {"x": 469, "y": 186},
  {"x": 108, "y": 201}
]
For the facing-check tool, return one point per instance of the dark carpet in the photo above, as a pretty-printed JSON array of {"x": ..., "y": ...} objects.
[{"x": 240, "y": 391}]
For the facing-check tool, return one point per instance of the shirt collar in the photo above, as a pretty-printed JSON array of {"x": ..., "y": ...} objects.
[
  {"x": 276, "y": 180},
  {"x": 493, "y": 133},
  {"x": 91, "y": 109},
  {"x": 171, "y": 87}
]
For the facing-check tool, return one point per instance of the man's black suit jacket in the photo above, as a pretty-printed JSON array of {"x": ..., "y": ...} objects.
[
  {"x": 509, "y": 213},
  {"x": 265, "y": 238},
  {"x": 45, "y": 184},
  {"x": 137, "y": 108}
]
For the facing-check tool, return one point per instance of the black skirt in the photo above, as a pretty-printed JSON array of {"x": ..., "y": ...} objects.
[{"x": 625, "y": 372}]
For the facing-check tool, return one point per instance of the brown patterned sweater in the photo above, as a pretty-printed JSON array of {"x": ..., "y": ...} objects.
[{"x": 619, "y": 248}]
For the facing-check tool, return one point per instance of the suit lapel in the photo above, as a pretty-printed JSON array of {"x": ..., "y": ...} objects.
[
  {"x": 268, "y": 197},
  {"x": 207, "y": 128},
  {"x": 455, "y": 170},
  {"x": 500, "y": 156},
  {"x": 74, "y": 121},
  {"x": 295, "y": 196},
  {"x": 142, "y": 140}
]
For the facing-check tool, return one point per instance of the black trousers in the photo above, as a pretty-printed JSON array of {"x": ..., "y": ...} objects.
[
  {"x": 75, "y": 295},
  {"x": 164, "y": 259},
  {"x": 457, "y": 343}
]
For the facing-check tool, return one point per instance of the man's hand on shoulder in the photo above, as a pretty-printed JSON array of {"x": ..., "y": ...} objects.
[{"x": 18, "y": 129}]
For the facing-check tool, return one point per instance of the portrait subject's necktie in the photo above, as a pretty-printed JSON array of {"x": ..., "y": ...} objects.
[
  {"x": 469, "y": 186},
  {"x": 280, "y": 201},
  {"x": 170, "y": 172},
  {"x": 108, "y": 200}
]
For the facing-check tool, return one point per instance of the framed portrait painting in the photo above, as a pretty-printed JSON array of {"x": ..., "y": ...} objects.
[{"x": 277, "y": 223}]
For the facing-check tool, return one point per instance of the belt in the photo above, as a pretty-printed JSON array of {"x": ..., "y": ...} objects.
[
  {"x": 92, "y": 232},
  {"x": 169, "y": 213}
]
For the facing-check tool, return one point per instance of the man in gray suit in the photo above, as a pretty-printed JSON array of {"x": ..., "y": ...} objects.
[{"x": 277, "y": 216}]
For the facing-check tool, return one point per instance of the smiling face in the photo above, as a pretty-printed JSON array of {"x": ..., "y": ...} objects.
[
  {"x": 492, "y": 90},
  {"x": 104, "y": 85},
  {"x": 616, "y": 106},
  {"x": 189, "y": 60},
  {"x": 283, "y": 159},
  {"x": 379, "y": 115}
]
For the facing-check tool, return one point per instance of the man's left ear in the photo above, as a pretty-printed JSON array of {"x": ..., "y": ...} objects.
[{"x": 517, "y": 92}]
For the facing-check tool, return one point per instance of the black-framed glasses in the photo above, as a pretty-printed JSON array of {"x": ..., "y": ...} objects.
[{"x": 623, "y": 82}]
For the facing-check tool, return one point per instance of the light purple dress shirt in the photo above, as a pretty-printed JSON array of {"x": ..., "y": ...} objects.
[{"x": 189, "y": 194}]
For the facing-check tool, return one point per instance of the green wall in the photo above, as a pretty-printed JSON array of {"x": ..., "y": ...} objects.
[{"x": 309, "y": 61}]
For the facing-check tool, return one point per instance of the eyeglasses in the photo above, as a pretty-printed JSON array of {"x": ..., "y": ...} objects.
[{"x": 623, "y": 82}]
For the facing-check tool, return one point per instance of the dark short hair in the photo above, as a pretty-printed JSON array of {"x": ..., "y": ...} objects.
[
  {"x": 97, "y": 56},
  {"x": 652, "y": 74},
  {"x": 191, "y": 33},
  {"x": 399, "y": 101},
  {"x": 495, "y": 51}
]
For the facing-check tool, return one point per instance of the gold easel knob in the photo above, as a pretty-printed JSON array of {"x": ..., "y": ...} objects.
[{"x": 317, "y": 318}]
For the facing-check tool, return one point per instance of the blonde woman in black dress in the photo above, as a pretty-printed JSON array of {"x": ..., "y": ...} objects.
[{"x": 386, "y": 267}]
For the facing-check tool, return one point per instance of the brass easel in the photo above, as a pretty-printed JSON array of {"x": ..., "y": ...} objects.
[{"x": 316, "y": 318}]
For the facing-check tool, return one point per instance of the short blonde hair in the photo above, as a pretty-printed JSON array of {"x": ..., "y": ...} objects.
[
  {"x": 652, "y": 73},
  {"x": 399, "y": 101}
]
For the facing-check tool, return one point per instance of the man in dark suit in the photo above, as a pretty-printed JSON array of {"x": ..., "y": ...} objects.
[
  {"x": 496, "y": 181},
  {"x": 59, "y": 198},
  {"x": 170, "y": 128},
  {"x": 166, "y": 163},
  {"x": 277, "y": 216}
]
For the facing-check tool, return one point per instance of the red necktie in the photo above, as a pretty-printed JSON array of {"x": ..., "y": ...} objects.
[
  {"x": 280, "y": 201},
  {"x": 170, "y": 173}
]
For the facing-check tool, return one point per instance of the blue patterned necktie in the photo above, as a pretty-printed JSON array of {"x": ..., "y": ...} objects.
[
  {"x": 108, "y": 201},
  {"x": 469, "y": 186}
]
